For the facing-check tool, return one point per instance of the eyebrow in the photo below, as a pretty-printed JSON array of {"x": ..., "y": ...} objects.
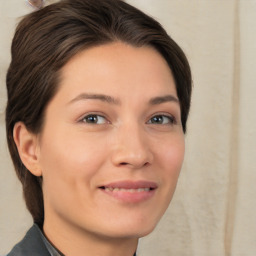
[
  {"x": 163, "y": 99},
  {"x": 101, "y": 97},
  {"x": 112, "y": 100}
]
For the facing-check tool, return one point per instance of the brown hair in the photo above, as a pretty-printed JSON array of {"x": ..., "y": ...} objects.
[{"x": 47, "y": 39}]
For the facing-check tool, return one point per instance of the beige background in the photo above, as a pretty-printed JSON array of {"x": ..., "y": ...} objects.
[{"x": 213, "y": 211}]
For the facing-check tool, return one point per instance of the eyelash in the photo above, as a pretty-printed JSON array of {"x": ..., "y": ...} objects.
[
  {"x": 96, "y": 116},
  {"x": 170, "y": 119},
  {"x": 163, "y": 118}
]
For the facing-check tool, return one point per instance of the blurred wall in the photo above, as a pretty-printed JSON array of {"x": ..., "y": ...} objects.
[{"x": 213, "y": 210}]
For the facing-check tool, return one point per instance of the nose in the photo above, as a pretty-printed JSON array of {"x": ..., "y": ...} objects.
[{"x": 131, "y": 148}]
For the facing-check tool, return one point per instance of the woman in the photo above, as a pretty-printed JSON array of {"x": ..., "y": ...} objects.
[{"x": 98, "y": 98}]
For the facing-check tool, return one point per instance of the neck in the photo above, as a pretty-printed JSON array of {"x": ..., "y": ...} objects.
[{"x": 77, "y": 241}]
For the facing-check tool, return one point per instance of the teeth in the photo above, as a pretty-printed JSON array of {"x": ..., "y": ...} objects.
[{"x": 130, "y": 190}]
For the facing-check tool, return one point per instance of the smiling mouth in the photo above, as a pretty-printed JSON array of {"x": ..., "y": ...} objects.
[{"x": 130, "y": 192}]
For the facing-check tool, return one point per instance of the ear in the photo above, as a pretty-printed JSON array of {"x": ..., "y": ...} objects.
[{"x": 28, "y": 148}]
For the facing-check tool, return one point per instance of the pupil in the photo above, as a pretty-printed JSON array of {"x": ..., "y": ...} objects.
[
  {"x": 92, "y": 119},
  {"x": 157, "y": 119}
]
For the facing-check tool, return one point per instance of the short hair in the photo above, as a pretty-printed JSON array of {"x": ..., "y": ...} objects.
[{"x": 47, "y": 39}]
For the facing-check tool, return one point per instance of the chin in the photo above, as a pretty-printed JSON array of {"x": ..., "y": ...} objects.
[{"x": 133, "y": 230}]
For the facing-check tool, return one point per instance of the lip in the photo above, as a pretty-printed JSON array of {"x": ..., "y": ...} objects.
[{"x": 130, "y": 191}]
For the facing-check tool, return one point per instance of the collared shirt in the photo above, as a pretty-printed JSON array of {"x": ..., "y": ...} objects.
[
  {"x": 52, "y": 250},
  {"x": 35, "y": 243}
]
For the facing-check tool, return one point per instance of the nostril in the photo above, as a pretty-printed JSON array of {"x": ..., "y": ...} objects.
[{"x": 124, "y": 164}]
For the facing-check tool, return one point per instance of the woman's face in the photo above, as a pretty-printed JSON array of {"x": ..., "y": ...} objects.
[{"x": 112, "y": 144}]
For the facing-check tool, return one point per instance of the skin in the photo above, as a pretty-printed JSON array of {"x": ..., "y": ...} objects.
[{"x": 132, "y": 133}]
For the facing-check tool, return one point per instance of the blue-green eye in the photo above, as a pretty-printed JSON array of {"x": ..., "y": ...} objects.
[
  {"x": 94, "y": 119},
  {"x": 161, "y": 119}
]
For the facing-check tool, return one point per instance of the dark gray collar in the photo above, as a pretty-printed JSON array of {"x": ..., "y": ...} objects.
[
  {"x": 31, "y": 244},
  {"x": 36, "y": 244},
  {"x": 52, "y": 250}
]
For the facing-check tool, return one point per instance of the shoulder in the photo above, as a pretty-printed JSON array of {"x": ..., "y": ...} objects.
[{"x": 31, "y": 244}]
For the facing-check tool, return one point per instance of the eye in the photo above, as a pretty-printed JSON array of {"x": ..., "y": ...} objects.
[
  {"x": 161, "y": 119},
  {"x": 94, "y": 119}
]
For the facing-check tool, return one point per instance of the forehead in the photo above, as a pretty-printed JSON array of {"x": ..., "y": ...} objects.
[{"x": 117, "y": 68}]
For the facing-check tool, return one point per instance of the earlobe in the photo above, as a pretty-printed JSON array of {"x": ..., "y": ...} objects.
[{"x": 28, "y": 148}]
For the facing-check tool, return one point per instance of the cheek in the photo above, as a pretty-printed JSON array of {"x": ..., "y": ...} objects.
[
  {"x": 69, "y": 150},
  {"x": 172, "y": 153},
  {"x": 69, "y": 162}
]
